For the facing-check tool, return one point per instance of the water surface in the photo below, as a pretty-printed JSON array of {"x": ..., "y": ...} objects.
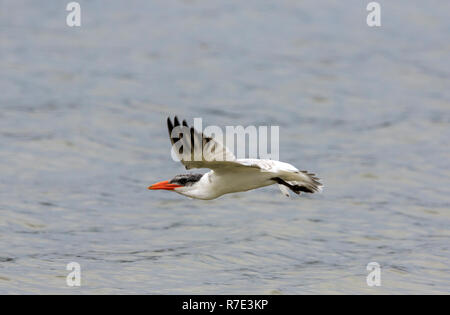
[{"x": 82, "y": 135}]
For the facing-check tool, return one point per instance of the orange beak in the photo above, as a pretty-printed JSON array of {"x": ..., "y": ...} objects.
[{"x": 164, "y": 185}]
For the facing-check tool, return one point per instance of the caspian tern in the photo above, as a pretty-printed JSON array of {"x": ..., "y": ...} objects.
[{"x": 228, "y": 174}]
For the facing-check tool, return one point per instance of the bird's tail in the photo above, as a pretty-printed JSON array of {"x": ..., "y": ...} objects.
[
  {"x": 309, "y": 182},
  {"x": 298, "y": 182}
]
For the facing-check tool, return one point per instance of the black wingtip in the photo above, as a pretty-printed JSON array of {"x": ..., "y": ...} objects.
[
  {"x": 169, "y": 125},
  {"x": 176, "y": 122}
]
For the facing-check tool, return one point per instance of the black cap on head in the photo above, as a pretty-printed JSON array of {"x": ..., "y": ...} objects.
[{"x": 186, "y": 179}]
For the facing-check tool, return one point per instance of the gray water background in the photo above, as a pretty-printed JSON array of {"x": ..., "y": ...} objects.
[{"x": 82, "y": 135}]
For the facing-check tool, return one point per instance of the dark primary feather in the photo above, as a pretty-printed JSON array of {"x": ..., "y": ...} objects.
[{"x": 170, "y": 127}]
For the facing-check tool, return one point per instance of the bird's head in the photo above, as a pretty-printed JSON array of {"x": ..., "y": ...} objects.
[{"x": 179, "y": 183}]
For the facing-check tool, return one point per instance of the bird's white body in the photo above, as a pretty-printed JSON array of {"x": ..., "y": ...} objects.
[
  {"x": 228, "y": 174},
  {"x": 218, "y": 182}
]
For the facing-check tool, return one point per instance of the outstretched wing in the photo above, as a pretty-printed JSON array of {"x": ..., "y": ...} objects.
[{"x": 196, "y": 150}]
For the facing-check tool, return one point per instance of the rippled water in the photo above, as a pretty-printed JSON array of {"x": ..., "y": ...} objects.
[{"x": 82, "y": 135}]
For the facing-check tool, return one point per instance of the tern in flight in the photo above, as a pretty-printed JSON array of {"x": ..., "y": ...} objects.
[{"x": 227, "y": 173}]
